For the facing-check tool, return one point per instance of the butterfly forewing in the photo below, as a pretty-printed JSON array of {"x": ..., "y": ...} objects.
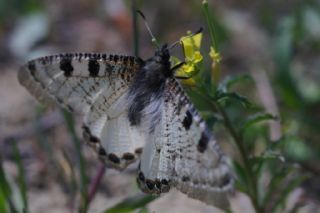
[
  {"x": 95, "y": 85},
  {"x": 182, "y": 152}
]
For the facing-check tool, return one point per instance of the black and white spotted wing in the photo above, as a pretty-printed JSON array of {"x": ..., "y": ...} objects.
[
  {"x": 95, "y": 85},
  {"x": 127, "y": 103},
  {"x": 182, "y": 152}
]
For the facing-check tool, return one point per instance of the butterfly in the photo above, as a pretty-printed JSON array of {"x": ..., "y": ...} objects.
[{"x": 136, "y": 109}]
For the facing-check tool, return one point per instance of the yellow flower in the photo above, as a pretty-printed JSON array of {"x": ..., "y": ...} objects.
[
  {"x": 193, "y": 58},
  {"x": 197, "y": 57},
  {"x": 188, "y": 68},
  {"x": 215, "y": 68},
  {"x": 189, "y": 82},
  {"x": 191, "y": 47},
  {"x": 191, "y": 44},
  {"x": 215, "y": 56}
]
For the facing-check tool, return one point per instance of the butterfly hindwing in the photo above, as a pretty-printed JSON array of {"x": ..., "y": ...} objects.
[
  {"x": 95, "y": 85},
  {"x": 182, "y": 153}
]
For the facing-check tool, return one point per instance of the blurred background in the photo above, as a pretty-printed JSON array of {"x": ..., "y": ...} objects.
[{"x": 275, "y": 43}]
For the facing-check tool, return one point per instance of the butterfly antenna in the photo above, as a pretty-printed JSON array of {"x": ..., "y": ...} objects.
[
  {"x": 188, "y": 36},
  {"x": 154, "y": 40}
]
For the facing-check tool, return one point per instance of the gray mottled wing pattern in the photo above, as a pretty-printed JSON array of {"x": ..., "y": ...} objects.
[
  {"x": 182, "y": 152},
  {"x": 96, "y": 86}
]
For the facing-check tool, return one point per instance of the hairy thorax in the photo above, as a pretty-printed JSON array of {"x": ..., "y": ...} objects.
[{"x": 146, "y": 92}]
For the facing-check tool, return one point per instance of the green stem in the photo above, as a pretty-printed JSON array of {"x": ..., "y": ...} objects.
[
  {"x": 135, "y": 28},
  {"x": 215, "y": 69},
  {"x": 244, "y": 155},
  {"x": 209, "y": 23}
]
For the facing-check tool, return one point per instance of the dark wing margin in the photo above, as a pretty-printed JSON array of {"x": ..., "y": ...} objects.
[
  {"x": 183, "y": 153},
  {"x": 94, "y": 85}
]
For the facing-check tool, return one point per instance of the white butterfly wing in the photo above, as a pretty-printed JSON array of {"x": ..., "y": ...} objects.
[
  {"x": 182, "y": 152},
  {"x": 96, "y": 86}
]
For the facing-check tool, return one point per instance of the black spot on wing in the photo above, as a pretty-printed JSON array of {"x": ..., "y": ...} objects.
[
  {"x": 93, "y": 67},
  {"x": 66, "y": 66},
  {"x": 32, "y": 67},
  {"x": 158, "y": 183},
  {"x": 150, "y": 184},
  {"x": 69, "y": 108},
  {"x": 131, "y": 60},
  {"x": 141, "y": 176},
  {"x": 225, "y": 180},
  {"x": 102, "y": 151},
  {"x": 114, "y": 158},
  {"x": 187, "y": 121},
  {"x": 60, "y": 101},
  {"x": 94, "y": 139},
  {"x": 115, "y": 58},
  {"x": 138, "y": 150},
  {"x": 185, "y": 179},
  {"x": 124, "y": 59},
  {"x": 128, "y": 156},
  {"x": 164, "y": 182},
  {"x": 203, "y": 142},
  {"x": 108, "y": 68}
]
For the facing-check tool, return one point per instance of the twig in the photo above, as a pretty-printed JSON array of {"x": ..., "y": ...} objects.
[{"x": 96, "y": 182}]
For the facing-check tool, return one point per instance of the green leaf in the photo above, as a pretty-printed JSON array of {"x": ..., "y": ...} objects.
[
  {"x": 260, "y": 165},
  {"x": 283, "y": 44},
  {"x": 234, "y": 96},
  {"x": 295, "y": 148},
  {"x": 278, "y": 181},
  {"x": 21, "y": 177},
  {"x": 283, "y": 57},
  {"x": 82, "y": 165},
  {"x": 5, "y": 191},
  {"x": 257, "y": 164},
  {"x": 241, "y": 177},
  {"x": 3, "y": 201},
  {"x": 292, "y": 185},
  {"x": 231, "y": 80},
  {"x": 254, "y": 119},
  {"x": 268, "y": 155},
  {"x": 131, "y": 203},
  {"x": 143, "y": 210},
  {"x": 5, "y": 188}
]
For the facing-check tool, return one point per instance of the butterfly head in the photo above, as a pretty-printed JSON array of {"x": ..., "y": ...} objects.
[
  {"x": 163, "y": 52},
  {"x": 161, "y": 61},
  {"x": 162, "y": 55}
]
